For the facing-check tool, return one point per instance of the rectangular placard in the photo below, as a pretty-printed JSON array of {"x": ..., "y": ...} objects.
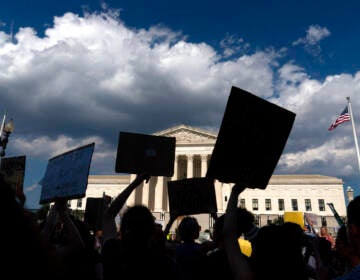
[
  {"x": 142, "y": 153},
  {"x": 67, "y": 174},
  {"x": 13, "y": 169},
  {"x": 252, "y": 136}
]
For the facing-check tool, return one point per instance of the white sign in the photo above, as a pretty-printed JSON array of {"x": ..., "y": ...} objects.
[{"x": 67, "y": 174}]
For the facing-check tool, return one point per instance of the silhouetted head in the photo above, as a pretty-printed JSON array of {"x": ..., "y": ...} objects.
[
  {"x": 189, "y": 229},
  {"x": 137, "y": 224},
  {"x": 245, "y": 220},
  {"x": 279, "y": 244},
  {"x": 353, "y": 211},
  {"x": 353, "y": 223}
]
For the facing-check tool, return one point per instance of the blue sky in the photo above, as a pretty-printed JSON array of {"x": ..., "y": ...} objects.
[{"x": 75, "y": 72}]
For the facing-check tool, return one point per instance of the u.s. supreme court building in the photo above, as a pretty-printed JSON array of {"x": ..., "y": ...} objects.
[{"x": 308, "y": 193}]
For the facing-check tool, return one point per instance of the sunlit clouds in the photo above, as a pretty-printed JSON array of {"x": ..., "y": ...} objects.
[{"x": 92, "y": 76}]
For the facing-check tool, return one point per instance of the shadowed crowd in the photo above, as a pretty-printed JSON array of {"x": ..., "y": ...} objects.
[{"x": 54, "y": 244}]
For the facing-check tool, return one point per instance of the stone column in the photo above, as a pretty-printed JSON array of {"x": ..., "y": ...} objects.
[
  {"x": 145, "y": 193},
  {"x": 219, "y": 196},
  {"x": 190, "y": 166},
  {"x": 204, "y": 165},
  {"x": 176, "y": 166},
  {"x": 159, "y": 192},
  {"x": 226, "y": 189},
  {"x": 131, "y": 200},
  {"x": 166, "y": 195}
]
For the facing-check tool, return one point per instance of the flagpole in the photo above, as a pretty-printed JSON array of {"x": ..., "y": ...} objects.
[
  {"x": 354, "y": 131},
  {"x": 2, "y": 123}
]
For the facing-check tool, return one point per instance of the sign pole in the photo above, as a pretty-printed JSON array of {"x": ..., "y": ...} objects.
[{"x": 354, "y": 131}]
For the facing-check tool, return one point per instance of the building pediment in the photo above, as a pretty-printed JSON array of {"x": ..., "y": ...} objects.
[{"x": 189, "y": 135}]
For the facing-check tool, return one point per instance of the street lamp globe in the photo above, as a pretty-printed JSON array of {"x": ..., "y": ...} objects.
[
  {"x": 9, "y": 127},
  {"x": 4, "y": 137}
]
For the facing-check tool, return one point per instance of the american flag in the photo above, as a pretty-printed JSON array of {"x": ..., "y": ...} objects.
[{"x": 344, "y": 117}]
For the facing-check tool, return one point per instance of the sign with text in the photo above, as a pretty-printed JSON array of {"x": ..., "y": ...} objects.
[
  {"x": 67, "y": 174},
  {"x": 252, "y": 136},
  {"x": 192, "y": 196},
  {"x": 13, "y": 169}
]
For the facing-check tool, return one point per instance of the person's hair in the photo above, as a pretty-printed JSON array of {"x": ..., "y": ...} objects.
[
  {"x": 137, "y": 223},
  {"x": 245, "y": 220},
  {"x": 353, "y": 211},
  {"x": 188, "y": 229},
  {"x": 342, "y": 235},
  {"x": 279, "y": 244}
]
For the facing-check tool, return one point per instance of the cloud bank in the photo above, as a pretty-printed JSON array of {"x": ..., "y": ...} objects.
[{"x": 92, "y": 76}]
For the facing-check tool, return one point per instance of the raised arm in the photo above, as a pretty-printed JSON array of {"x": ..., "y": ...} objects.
[
  {"x": 50, "y": 223},
  {"x": 170, "y": 222},
  {"x": 238, "y": 263},
  {"x": 109, "y": 226},
  {"x": 71, "y": 232},
  {"x": 59, "y": 213}
]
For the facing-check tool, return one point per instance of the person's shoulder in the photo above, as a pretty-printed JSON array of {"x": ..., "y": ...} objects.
[
  {"x": 111, "y": 245},
  {"x": 354, "y": 274},
  {"x": 167, "y": 263}
]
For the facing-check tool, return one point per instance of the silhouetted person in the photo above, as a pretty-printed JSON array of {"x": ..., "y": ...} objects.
[
  {"x": 216, "y": 261},
  {"x": 25, "y": 255},
  {"x": 188, "y": 253},
  {"x": 277, "y": 252},
  {"x": 70, "y": 244},
  {"x": 345, "y": 251},
  {"x": 132, "y": 253},
  {"x": 353, "y": 234},
  {"x": 324, "y": 233}
]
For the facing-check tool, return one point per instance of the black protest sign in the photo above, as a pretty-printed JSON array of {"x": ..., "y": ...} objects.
[
  {"x": 94, "y": 211},
  {"x": 66, "y": 175},
  {"x": 192, "y": 196},
  {"x": 251, "y": 139},
  {"x": 13, "y": 170},
  {"x": 142, "y": 153}
]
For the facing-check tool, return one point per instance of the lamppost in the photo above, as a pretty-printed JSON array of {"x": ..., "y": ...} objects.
[
  {"x": 4, "y": 137},
  {"x": 350, "y": 193}
]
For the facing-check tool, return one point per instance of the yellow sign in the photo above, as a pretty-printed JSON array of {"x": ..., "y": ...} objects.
[
  {"x": 245, "y": 247},
  {"x": 294, "y": 217}
]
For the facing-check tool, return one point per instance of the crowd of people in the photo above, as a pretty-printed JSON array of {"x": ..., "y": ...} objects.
[{"x": 58, "y": 245}]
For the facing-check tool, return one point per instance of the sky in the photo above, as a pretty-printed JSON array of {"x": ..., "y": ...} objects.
[{"x": 76, "y": 72}]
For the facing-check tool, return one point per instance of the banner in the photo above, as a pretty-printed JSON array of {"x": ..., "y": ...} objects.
[
  {"x": 67, "y": 174},
  {"x": 13, "y": 169}
]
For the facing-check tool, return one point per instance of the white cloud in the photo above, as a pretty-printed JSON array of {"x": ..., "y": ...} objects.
[
  {"x": 45, "y": 147},
  {"x": 231, "y": 45},
  {"x": 335, "y": 152},
  {"x": 93, "y": 75},
  {"x": 31, "y": 188},
  {"x": 314, "y": 35}
]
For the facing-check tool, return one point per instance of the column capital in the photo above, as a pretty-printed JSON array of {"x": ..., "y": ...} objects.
[
  {"x": 204, "y": 157},
  {"x": 204, "y": 165}
]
